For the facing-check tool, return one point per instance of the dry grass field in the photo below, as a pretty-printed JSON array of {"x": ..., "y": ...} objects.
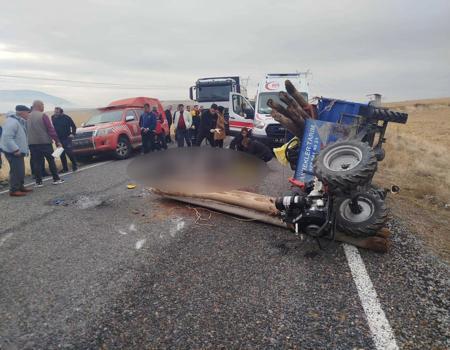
[{"x": 417, "y": 160}]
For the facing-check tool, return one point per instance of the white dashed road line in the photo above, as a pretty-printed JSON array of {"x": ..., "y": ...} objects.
[
  {"x": 381, "y": 330},
  {"x": 68, "y": 173}
]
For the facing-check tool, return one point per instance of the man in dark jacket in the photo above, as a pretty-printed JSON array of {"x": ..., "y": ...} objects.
[
  {"x": 147, "y": 123},
  {"x": 168, "y": 113},
  {"x": 207, "y": 123},
  {"x": 257, "y": 149},
  {"x": 66, "y": 130}
]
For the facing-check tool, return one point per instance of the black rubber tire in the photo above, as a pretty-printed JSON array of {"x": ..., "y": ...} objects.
[
  {"x": 366, "y": 224},
  {"x": 123, "y": 149},
  {"x": 390, "y": 116},
  {"x": 359, "y": 157}
]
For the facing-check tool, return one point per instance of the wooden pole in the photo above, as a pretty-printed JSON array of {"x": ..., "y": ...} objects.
[{"x": 377, "y": 243}]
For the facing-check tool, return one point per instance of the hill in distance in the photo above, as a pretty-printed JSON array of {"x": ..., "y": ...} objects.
[{"x": 10, "y": 98}]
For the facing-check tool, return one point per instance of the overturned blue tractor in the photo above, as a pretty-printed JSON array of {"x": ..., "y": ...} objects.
[{"x": 334, "y": 150}]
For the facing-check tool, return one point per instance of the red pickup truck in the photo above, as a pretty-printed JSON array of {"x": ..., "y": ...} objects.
[{"x": 115, "y": 129}]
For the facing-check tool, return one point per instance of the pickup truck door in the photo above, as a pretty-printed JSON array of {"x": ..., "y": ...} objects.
[
  {"x": 241, "y": 113},
  {"x": 132, "y": 122}
]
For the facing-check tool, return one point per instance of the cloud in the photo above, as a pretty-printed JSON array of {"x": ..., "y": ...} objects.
[{"x": 399, "y": 48}]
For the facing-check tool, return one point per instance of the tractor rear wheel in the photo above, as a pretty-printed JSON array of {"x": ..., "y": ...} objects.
[
  {"x": 367, "y": 220},
  {"x": 345, "y": 165}
]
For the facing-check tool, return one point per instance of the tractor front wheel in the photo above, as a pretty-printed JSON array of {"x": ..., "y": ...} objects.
[{"x": 366, "y": 219}]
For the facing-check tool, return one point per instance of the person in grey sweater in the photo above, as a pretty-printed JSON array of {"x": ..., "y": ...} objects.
[
  {"x": 40, "y": 135},
  {"x": 14, "y": 145}
]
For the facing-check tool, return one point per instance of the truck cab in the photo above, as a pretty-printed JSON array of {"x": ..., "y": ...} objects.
[{"x": 207, "y": 91}]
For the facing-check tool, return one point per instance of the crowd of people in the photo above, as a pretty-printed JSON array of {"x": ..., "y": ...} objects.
[
  {"x": 193, "y": 126},
  {"x": 29, "y": 131}
]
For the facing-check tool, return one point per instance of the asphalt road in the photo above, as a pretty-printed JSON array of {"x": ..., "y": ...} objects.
[{"x": 91, "y": 264}]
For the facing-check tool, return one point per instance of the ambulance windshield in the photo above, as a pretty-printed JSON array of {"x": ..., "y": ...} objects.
[{"x": 263, "y": 97}]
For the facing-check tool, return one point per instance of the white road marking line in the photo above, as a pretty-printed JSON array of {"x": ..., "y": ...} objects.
[
  {"x": 5, "y": 237},
  {"x": 140, "y": 243},
  {"x": 133, "y": 228},
  {"x": 381, "y": 330},
  {"x": 68, "y": 173},
  {"x": 123, "y": 232}
]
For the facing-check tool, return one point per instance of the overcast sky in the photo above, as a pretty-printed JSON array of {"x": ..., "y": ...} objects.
[{"x": 398, "y": 48}]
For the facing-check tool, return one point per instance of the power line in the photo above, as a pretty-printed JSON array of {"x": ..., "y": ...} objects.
[{"x": 89, "y": 83}]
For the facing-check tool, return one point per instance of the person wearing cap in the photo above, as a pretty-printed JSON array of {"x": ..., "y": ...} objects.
[
  {"x": 40, "y": 135},
  {"x": 14, "y": 145},
  {"x": 207, "y": 123}
]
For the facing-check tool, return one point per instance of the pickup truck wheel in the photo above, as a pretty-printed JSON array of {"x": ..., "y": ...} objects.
[{"x": 123, "y": 148}]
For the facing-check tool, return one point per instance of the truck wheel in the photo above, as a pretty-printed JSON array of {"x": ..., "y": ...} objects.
[
  {"x": 371, "y": 218},
  {"x": 345, "y": 165},
  {"x": 123, "y": 148}
]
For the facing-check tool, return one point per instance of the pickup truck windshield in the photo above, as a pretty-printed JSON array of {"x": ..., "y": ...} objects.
[
  {"x": 263, "y": 97},
  {"x": 105, "y": 117},
  {"x": 213, "y": 93}
]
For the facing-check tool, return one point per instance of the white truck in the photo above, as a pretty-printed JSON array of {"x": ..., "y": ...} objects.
[
  {"x": 207, "y": 91},
  {"x": 264, "y": 127}
]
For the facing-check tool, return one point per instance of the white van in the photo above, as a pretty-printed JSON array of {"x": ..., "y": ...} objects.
[{"x": 265, "y": 128}]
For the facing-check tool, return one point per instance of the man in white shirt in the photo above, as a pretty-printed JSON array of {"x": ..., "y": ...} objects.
[{"x": 183, "y": 122}]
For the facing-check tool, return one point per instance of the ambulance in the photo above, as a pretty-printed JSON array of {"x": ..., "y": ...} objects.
[{"x": 264, "y": 127}]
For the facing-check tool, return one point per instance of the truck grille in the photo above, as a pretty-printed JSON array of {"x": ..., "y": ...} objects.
[{"x": 83, "y": 140}]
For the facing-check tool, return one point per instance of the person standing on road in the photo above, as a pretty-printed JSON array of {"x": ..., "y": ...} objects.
[
  {"x": 195, "y": 124},
  {"x": 219, "y": 131},
  {"x": 14, "y": 145},
  {"x": 183, "y": 122},
  {"x": 160, "y": 134},
  {"x": 66, "y": 130},
  {"x": 40, "y": 135},
  {"x": 168, "y": 113},
  {"x": 147, "y": 123},
  {"x": 207, "y": 122}
]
